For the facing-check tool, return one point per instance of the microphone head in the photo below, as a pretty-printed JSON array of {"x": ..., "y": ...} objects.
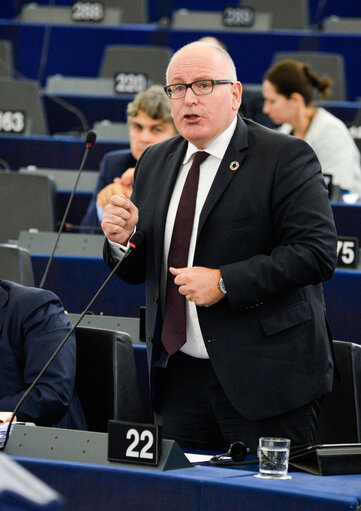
[
  {"x": 137, "y": 239},
  {"x": 90, "y": 138}
]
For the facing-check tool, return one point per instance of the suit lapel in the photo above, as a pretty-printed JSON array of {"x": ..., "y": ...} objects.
[
  {"x": 172, "y": 166},
  {"x": 229, "y": 166}
]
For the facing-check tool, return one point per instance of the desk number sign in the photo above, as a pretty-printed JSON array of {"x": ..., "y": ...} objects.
[
  {"x": 347, "y": 252},
  {"x": 134, "y": 443}
]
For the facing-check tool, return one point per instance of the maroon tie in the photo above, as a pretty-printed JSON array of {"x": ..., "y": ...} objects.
[{"x": 174, "y": 323}]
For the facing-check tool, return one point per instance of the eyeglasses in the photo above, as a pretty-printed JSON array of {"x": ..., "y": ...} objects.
[{"x": 199, "y": 87}]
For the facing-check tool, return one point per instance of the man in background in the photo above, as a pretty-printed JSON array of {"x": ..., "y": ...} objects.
[{"x": 150, "y": 122}]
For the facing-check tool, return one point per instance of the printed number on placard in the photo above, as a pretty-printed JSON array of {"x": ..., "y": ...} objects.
[
  {"x": 12, "y": 122},
  {"x": 87, "y": 11},
  {"x": 133, "y": 449},
  {"x": 238, "y": 16},
  {"x": 347, "y": 252},
  {"x": 130, "y": 83},
  {"x": 134, "y": 443}
]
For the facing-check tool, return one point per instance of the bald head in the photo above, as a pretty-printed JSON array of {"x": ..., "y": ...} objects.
[{"x": 204, "y": 50}]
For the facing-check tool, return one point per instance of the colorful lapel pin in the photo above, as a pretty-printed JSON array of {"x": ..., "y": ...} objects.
[{"x": 234, "y": 165}]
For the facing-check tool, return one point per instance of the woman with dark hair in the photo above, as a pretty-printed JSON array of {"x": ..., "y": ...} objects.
[{"x": 289, "y": 91}]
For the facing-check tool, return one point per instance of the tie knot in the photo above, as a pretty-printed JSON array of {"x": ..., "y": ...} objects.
[{"x": 199, "y": 158}]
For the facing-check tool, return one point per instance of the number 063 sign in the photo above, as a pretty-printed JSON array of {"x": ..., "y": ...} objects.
[{"x": 134, "y": 443}]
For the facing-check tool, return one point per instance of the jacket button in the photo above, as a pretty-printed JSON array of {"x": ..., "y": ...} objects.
[
  {"x": 150, "y": 339},
  {"x": 156, "y": 299}
]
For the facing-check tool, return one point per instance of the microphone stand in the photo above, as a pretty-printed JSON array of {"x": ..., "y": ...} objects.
[{"x": 90, "y": 140}]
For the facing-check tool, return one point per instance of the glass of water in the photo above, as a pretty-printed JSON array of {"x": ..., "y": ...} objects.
[{"x": 273, "y": 455}]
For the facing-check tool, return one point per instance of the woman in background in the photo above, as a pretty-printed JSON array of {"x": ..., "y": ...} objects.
[{"x": 289, "y": 90}]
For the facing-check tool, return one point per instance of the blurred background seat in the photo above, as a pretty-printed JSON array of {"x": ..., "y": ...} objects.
[
  {"x": 330, "y": 64},
  {"x": 21, "y": 102},
  {"x": 104, "y": 15},
  {"x": 139, "y": 67},
  {"x": 107, "y": 130},
  {"x": 283, "y": 15},
  {"x": 6, "y": 58},
  {"x": 211, "y": 20},
  {"x": 15, "y": 265},
  {"x": 106, "y": 379},
  {"x": 342, "y": 25},
  {"x": 340, "y": 414},
  {"x": 26, "y": 202},
  {"x": 78, "y": 85}
]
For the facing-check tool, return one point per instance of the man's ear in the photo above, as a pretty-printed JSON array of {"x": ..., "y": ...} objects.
[{"x": 237, "y": 95}]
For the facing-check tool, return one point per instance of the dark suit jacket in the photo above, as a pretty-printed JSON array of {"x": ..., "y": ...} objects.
[
  {"x": 268, "y": 226},
  {"x": 113, "y": 165},
  {"x": 32, "y": 325}
]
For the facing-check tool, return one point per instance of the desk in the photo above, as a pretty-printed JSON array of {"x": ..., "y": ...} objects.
[{"x": 201, "y": 488}]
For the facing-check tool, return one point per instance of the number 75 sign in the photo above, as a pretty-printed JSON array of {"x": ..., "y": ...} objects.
[
  {"x": 347, "y": 252},
  {"x": 134, "y": 443}
]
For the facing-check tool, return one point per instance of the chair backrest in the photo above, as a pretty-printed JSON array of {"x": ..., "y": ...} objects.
[
  {"x": 106, "y": 379},
  {"x": 107, "y": 130},
  {"x": 211, "y": 20},
  {"x": 58, "y": 84},
  {"x": 21, "y": 102},
  {"x": 26, "y": 202},
  {"x": 284, "y": 16},
  {"x": 65, "y": 178},
  {"x": 342, "y": 25},
  {"x": 33, "y": 13},
  {"x": 134, "y": 68},
  {"x": 330, "y": 64},
  {"x": 6, "y": 58},
  {"x": 340, "y": 414},
  {"x": 15, "y": 265}
]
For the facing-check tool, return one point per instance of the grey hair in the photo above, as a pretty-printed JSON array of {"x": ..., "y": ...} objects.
[{"x": 153, "y": 102}]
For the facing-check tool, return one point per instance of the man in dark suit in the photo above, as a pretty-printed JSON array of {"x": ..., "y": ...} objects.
[
  {"x": 256, "y": 359},
  {"x": 32, "y": 325},
  {"x": 150, "y": 122}
]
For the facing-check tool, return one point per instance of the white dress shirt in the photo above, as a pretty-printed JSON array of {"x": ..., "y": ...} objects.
[{"x": 195, "y": 344}]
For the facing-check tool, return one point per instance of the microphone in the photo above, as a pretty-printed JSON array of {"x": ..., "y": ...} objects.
[
  {"x": 135, "y": 241},
  {"x": 89, "y": 142}
]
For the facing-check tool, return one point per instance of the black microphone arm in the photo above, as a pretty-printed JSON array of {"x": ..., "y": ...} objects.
[
  {"x": 134, "y": 242},
  {"x": 89, "y": 142}
]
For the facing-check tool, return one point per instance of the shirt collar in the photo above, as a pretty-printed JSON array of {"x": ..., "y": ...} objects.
[{"x": 217, "y": 147}]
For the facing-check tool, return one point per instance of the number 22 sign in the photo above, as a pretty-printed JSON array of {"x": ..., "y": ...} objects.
[{"x": 134, "y": 443}]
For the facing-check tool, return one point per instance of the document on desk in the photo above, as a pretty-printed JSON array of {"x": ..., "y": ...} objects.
[{"x": 4, "y": 427}]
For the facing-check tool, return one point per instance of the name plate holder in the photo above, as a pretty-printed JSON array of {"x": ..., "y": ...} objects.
[{"x": 83, "y": 447}]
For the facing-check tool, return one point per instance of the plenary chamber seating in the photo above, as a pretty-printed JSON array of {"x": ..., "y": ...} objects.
[
  {"x": 15, "y": 265},
  {"x": 330, "y": 64},
  {"x": 22, "y": 108},
  {"x": 106, "y": 12},
  {"x": 134, "y": 68},
  {"x": 283, "y": 17},
  {"x": 339, "y": 25},
  {"x": 26, "y": 202},
  {"x": 340, "y": 414},
  {"x": 210, "y": 20},
  {"x": 106, "y": 379},
  {"x": 6, "y": 58}
]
